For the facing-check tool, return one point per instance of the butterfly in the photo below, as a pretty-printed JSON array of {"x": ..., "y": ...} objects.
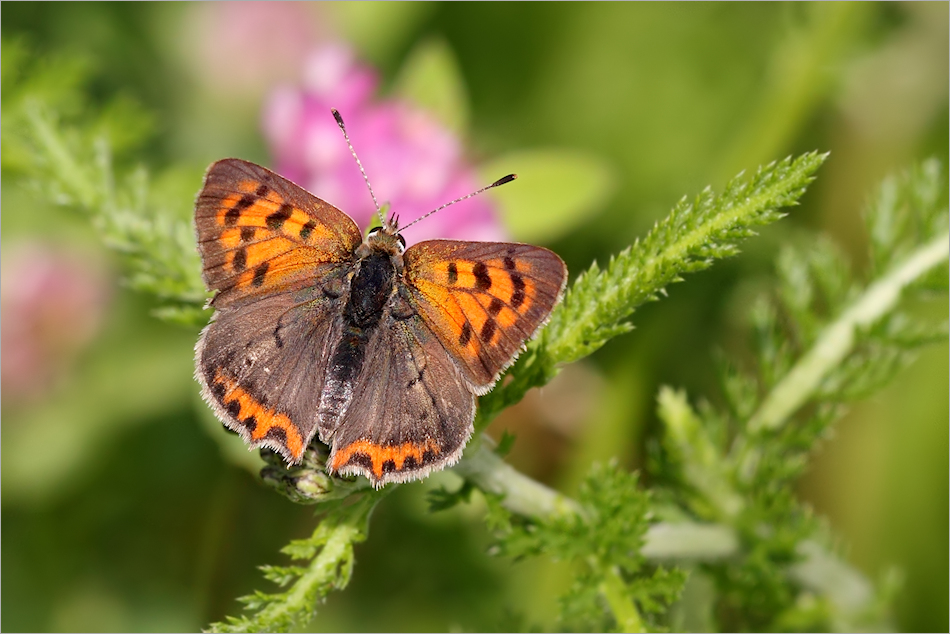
[{"x": 377, "y": 350}]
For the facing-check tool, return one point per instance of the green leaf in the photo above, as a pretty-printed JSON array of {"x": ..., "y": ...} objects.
[
  {"x": 823, "y": 337},
  {"x": 604, "y": 540},
  {"x": 442, "y": 499},
  {"x": 330, "y": 551},
  {"x": 557, "y": 190},
  {"x": 691, "y": 238},
  {"x": 431, "y": 78},
  {"x": 68, "y": 160}
]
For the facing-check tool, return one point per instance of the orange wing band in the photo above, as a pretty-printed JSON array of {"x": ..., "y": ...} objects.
[
  {"x": 260, "y": 421},
  {"x": 381, "y": 454}
]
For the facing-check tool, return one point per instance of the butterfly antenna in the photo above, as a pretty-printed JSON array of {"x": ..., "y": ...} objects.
[
  {"x": 501, "y": 181},
  {"x": 339, "y": 122}
]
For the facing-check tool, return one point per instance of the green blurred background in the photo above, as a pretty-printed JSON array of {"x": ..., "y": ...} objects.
[{"x": 123, "y": 509}]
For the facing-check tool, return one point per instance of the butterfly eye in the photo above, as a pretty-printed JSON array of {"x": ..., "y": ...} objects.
[
  {"x": 374, "y": 231},
  {"x": 402, "y": 240}
]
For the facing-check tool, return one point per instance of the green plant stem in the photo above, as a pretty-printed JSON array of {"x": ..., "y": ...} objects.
[
  {"x": 522, "y": 495},
  {"x": 328, "y": 570},
  {"x": 695, "y": 234},
  {"x": 846, "y": 589},
  {"x": 820, "y": 571},
  {"x": 834, "y": 344},
  {"x": 689, "y": 541},
  {"x": 625, "y": 611}
]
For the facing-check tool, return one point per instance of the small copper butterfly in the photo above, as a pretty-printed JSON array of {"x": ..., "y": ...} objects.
[{"x": 376, "y": 349}]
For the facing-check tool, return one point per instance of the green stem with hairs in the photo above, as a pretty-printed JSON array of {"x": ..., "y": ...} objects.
[
  {"x": 835, "y": 343},
  {"x": 625, "y": 611}
]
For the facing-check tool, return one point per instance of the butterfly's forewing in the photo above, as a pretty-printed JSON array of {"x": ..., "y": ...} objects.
[
  {"x": 411, "y": 411},
  {"x": 277, "y": 257},
  {"x": 259, "y": 233},
  {"x": 483, "y": 299}
]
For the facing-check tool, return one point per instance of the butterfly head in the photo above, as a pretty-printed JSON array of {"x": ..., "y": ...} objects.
[{"x": 386, "y": 238}]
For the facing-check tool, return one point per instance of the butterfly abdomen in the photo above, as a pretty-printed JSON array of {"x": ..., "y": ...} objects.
[{"x": 370, "y": 290}]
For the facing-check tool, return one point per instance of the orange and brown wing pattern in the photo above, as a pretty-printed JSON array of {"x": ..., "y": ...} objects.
[
  {"x": 258, "y": 232},
  {"x": 262, "y": 369},
  {"x": 483, "y": 300},
  {"x": 411, "y": 413}
]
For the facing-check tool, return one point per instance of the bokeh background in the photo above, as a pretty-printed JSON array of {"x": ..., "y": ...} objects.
[{"x": 125, "y": 508}]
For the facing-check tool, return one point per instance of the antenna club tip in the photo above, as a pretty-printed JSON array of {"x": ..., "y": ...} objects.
[
  {"x": 336, "y": 115},
  {"x": 504, "y": 179}
]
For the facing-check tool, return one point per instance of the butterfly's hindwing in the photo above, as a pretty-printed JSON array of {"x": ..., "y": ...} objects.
[
  {"x": 262, "y": 367},
  {"x": 420, "y": 407},
  {"x": 483, "y": 299},
  {"x": 258, "y": 232}
]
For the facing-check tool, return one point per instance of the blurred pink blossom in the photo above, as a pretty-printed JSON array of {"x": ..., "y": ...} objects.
[
  {"x": 244, "y": 48},
  {"x": 52, "y": 304},
  {"x": 411, "y": 159}
]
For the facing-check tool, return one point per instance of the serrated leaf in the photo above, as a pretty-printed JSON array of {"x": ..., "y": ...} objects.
[
  {"x": 696, "y": 233},
  {"x": 442, "y": 499},
  {"x": 505, "y": 443}
]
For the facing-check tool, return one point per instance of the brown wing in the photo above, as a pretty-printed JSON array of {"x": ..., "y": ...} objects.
[
  {"x": 262, "y": 367},
  {"x": 483, "y": 300},
  {"x": 258, "y": 232},
  {"x": 411, "y": 410}
]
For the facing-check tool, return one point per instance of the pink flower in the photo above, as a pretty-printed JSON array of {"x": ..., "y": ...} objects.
[
  {"x": 52, "y": 306},
  {"x": 244, "y": 48},
  {"x": 412, "y": 161}
]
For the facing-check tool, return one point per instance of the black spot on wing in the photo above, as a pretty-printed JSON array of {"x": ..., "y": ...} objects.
[
  {"x": 482, "y": 278},
  {"x": 234, "y": 213},
  {"x": 277, "y": 219},
  {"x": 240, "y": 260},
  {"x": 518, "y": 295},
  {"x": 362, "y": 460},
  {"x": 278, "y": 434},
  {"x": 466, "y": 334},
  {"x": 487, "y": 331},
  {"x": 260, "y": 273}
]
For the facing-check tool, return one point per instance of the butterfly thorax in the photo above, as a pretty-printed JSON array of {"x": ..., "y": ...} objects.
[
  {"x": 379, "y": 261},
  {"x": 370, "y": 289}
]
